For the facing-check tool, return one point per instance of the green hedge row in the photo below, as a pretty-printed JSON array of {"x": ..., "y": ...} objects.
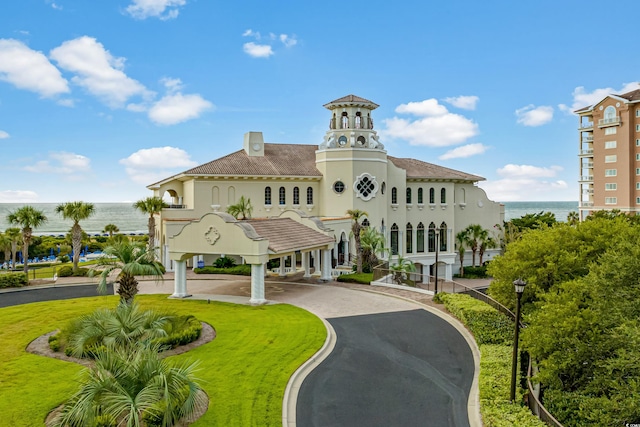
[
  {"x": 494, "y": 337},
  {"x": 362, "y": 278},
  {"x": 67, "y": 271},
  {"x": 13, "y": 280},
  {"x": 238, "y": 270}
]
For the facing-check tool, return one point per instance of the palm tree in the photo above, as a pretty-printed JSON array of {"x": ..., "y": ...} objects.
[
  {"x": 475, "y": 235},
  {"x": 461, "y": 241},
  {"x": 110, "y": 228},
  {"x": 372, "y": 242},
  {"x": 356, "y": 227},
  {"x": 5, "y": 246},
  {"x": 28, "y": 218},
  {"x": 134, "y": 388},
  {"x": 76, "y": 211},
  {"x": 243, "y": 208},
  {"x": 14, "y": 236},
  {"x": 130, "y": 260},
  {"x": 400, "y": 269},
  {"x": 151, "y": 206},
  {"x": 573, "y": 218},
  {"x": 487, "y": 243}
]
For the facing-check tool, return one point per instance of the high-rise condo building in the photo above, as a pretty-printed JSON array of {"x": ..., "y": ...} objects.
[{"x": 609, "y": 154}]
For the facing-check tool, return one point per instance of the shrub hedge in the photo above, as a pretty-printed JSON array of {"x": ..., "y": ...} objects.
[
  {"x": 494, "y": 336},
  {"x": 362, "y": 278},
  {"x": 238, "y": 270},
  {"x": 67, "y": 271},
  {"x": 13, "y": 280}
]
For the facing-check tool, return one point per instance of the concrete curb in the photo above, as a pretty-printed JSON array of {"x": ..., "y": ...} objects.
[
  {"x": 290, "y": 399},
  {"x": 473, "y": 404}
]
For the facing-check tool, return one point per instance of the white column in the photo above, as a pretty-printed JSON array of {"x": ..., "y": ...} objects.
[
  {"x": 316, "y": 262},
  {"x": 326, "y": 265},
  {"x": 257, "y": 284},
  {"x": 346, "y": 253},
  {"x": 425, "y": 276},
  {"x": 306, "y": 263},
  {"x": 282, "y": 262},
  {"x": 180, "y": 280},
  {"x": 447, "y": 273},
  {"x": 166, "y": 261}
]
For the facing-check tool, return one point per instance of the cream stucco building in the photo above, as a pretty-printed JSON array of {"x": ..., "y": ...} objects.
[{"x": 300, "y": 195}]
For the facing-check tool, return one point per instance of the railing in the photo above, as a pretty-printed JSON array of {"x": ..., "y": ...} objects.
[
  {"x": 587, "y": 138},
  {"x": 609, "y": 121},
  {"x": 586, "y": 178},
  {"x": 586, "y": 151},
  {"x": 588, "y": 165},
  {"x": 176, "y": 207},
  {"x": 533, "y": 402},
  {"x": 585, "y": 125},
  {"x": 586, "y": 204}
]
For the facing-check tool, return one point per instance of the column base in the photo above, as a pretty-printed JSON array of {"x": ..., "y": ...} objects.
[
  {"x": 256, "y": 301},
  {"x": 180, "y": 296}
]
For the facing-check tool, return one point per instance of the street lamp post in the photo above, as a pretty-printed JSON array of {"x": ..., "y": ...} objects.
[
  {"x": 436, "y": 266},
  {"x": 519, "y": 285}
]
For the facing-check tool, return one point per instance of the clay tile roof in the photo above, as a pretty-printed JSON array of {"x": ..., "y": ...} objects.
[
  {"x": 278, "y": 159},
  {"x": 287, "y": 235},
  {"x": 419, "y": 169},
  {"x": 587, "y": 108},
  {"x": 634, "y": 95},
  {"x": 350, "y": 99}
]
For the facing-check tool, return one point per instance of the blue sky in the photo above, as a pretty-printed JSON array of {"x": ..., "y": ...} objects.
[{"x": 100, "y": 98}]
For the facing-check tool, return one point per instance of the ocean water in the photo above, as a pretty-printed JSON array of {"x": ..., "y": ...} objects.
[
  {"x": 559, "y": 209},
  {"x": 129, "y": 220}
]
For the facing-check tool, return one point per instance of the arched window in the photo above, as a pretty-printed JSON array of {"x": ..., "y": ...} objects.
[
  {"x": 345, "y": 120},
  {"x": 609, "y": 113},
  {"x": 282, "y": 196},
  {"x": 309, "y": 195},
  {"x": 267, "y": 195},
  {"x": 443, "y": 237},
  {"x": 296, "y": 196},
  {"x": 409, "y": 244},
  {"x": 420, "y": 199},
  {"x": 215, "y": 195},
  {"x": 361, "y": 141},
  {"x": 463, "y": 196},
  {"x": 358, "y": 121},
  {"x": 408, "y": 196},
  {"x": 432, "y": 237},
  {"x": 394, "y": 239},
  {"x": 443, "y": 196},
  {"x": 432, "y": 195},
  {"x": 394, "y": 196},
  {"x": 232, "y": 195},
  {"x": 420, "y": 238}
]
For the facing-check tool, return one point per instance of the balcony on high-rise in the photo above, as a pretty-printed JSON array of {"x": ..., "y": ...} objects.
[{"x": 609, "y": 121}]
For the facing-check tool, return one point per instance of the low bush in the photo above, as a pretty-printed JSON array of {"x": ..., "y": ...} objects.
[
  {"x": 238, "y": 270},
  {"x": 362, "y": 278},
  {"x": 479, "y": 272},
  {"x": 67, "y": 271},
  {"x": 494, "y": 336},
  {"x": 13, "y": 280},
  {"x": 184, "y": 330},
  {"x": 224, "y": 262}
]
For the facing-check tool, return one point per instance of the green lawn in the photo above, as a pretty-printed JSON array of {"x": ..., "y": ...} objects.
[{"x": 244, "y": 370}]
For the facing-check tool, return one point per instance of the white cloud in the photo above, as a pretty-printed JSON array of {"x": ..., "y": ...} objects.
[
  {"x": 257, "y": 50},
  {"x": 97, "y": 71},
  {"x": 172, "y": 85},
  {"x": 528, "y": 171},
  {"x": 582, "y": 98},
  {"x": 3, "y": 134},
  {"x": 162, "y": 9},
  {"x": 62, "y": 163},
  {"x": 150, "y": 165},
  {"x": 250, "y": 33},
  {"x": 177, "y": 108},
  {"x": 18, "y": 196},
  {"x": 464, "y": 151},
  {"x": 66, "y": 103},
  {"x": 438, "y": 127},
  {"x": 288, "y": 41},
  {"x": 30, "y": 70},
  {"x": 464, "y": 102},
  {"x": 534, "y": 116}
]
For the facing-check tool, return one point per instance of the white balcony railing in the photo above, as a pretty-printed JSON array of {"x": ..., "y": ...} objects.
[
  {"x": 586, "y": 152},
  {"x": 586, "y": 204},
  {"x": 587, "y": 138},
  {"x": 586, "y": 178},
  {"x": 585, "y": 125},
  {"x": 588, "y": 165},
  {"x": 609, "y": 121}
]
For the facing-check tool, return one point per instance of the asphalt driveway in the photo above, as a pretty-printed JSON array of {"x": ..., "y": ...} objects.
[{"x": 407, "y": 368}]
